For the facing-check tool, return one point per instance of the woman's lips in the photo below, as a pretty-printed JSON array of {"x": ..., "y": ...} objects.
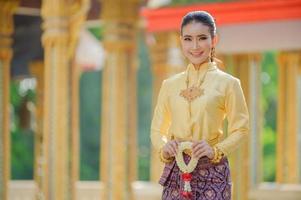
[{"x": 196, "y": 54}]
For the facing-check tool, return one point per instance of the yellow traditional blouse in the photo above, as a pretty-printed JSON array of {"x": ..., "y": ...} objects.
[{"x": 223, "y": 97}]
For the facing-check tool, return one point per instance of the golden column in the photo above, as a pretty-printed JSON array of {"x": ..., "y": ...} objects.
[
  {"x": 37, "y": 70},
  {"x": 158, "y": 49},
  {"x": 74, "y": 129},
  {"x": 7, "y": 9},
  {"x": 78, "y": 14},
  {"x": 62, "y": 21},
  {"x": 246, "y": 68},
  {"x": 118, "y": 134},
  {"x": 158, "y": 43},
  {"x": 55, "y": 120},
  {"x": 256, "y": 118},
  {"x": 287, "y": 155}
]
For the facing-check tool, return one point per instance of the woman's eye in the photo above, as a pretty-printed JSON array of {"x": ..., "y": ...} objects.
[
  {"x": 203, "y": 38},
  {"x": 187, "y": 39}
]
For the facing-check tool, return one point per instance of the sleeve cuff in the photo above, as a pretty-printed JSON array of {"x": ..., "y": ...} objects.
[
  {"x": 164, "y": 160},
  {"x": 218, "y": 155}
]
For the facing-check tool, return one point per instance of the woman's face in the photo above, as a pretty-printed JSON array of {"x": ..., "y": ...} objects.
[{"x": 196, "y": 42}]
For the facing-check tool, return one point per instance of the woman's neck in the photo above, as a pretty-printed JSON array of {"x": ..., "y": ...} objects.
[{"x": 198, "y": 66}]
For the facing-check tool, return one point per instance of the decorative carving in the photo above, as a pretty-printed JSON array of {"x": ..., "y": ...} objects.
[
  {"x": 62, "y": 22},
  {"x": 119, "y": 117}
]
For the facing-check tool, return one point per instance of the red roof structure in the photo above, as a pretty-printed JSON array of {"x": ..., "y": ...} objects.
[{"x": 245, "y": 11}]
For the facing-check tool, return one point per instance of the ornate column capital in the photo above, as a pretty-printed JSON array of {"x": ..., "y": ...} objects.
[
  {"x": 120, "y": 24},
  {"x": 62, "y": 23},
  {"x": 7, "y": 9}
]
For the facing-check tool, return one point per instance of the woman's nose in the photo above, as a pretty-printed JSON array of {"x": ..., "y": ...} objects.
[{"x": 195, "y": 44}]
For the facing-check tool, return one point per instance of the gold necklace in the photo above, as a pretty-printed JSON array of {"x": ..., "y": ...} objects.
[
  {"x": 195, "y": 91},
  {"x": 190, "y": 94}
]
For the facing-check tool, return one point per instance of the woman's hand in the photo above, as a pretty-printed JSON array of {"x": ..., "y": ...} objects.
[
  {"x": 170, "y": 149},
  {"x": 202, "y": 148}
]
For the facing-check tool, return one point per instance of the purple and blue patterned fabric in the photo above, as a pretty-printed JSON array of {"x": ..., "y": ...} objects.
[{"x": 209, "y": 181}]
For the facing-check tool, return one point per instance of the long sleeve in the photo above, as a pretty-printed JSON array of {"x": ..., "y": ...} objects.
[
  {"x": 161, "y": 119},
  {"x": 238, "y": 118}
]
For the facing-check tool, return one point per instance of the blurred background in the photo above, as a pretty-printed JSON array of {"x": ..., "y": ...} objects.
[{"x": 79, "y": 80}]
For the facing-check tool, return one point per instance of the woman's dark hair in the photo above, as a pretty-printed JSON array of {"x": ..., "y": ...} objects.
[{"x": 201, "y": 17}]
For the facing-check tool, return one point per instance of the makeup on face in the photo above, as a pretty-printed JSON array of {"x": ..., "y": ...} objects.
[{"x": 196, "y": 42}]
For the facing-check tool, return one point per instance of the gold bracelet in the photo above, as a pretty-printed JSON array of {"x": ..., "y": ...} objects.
[
  {"x": 164, "y": 160},
  {"x": 218, "y": 155}
]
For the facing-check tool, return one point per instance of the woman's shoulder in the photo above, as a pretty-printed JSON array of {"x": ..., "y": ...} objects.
[
  {"x": 226, "y": 77},
  {"x": 174, "y": 79}
]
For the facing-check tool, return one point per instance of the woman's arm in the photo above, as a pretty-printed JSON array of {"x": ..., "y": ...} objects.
[
  {"x": 238, "y": 118},
  {"x": 161, "y": 119}
]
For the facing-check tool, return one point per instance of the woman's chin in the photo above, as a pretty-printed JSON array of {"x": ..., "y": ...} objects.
[{"x": 198, "y": 62}]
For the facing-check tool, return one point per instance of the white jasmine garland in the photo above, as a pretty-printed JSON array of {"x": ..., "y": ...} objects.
[{"x": 180, "y": 160}]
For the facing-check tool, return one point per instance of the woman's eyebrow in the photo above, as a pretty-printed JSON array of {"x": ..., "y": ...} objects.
[{"x": 200, "y": 35}]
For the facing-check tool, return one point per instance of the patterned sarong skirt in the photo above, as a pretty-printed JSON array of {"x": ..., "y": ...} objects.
[{"x": 209, "y": 181}]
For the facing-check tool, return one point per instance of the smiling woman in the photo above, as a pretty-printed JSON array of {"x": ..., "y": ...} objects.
[
  {"x": 190, "y": 110},
  {"x": 198, "y": 39}
]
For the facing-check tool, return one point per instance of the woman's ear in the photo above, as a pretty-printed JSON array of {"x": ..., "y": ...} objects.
[{"x": 215, "y": 40}]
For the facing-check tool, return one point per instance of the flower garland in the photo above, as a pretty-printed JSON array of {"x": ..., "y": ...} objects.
[{"x": 186, "y": 169}]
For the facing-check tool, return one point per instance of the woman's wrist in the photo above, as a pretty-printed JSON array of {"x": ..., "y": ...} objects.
[
  {"x": 211, "y": 153},
  {"x": 218, "y": 155},
  {"x": 165, "y": 158}
]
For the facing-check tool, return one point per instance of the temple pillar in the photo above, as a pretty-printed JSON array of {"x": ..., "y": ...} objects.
[
  {"x": 247, "y": 69},
  {"x": 7, "y": 9},
  {"x": 62, "y": 21},
  {"x": 76, "y": 20},
  {"x": 256, "y": 118},
  {"x": 55, "y": 123},
  {"x": 287, "y": 154},
  {"x": 74, "y": 128},
  {"x": 37, "y": 70},
  {"x": 118, "y": 134},
  {"x": 158, "y": 48}
]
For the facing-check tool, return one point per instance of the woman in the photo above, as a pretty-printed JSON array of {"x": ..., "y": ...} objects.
[{"x": 191, "y": 107}]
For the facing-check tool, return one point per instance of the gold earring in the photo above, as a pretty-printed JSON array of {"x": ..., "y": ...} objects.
[{"x": 212, "y": 54}]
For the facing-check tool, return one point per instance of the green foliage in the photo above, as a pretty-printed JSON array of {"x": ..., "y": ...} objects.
[
  {"x": 97, "y": 32},
  {"x": 144, "y": 94},
  {"x": 269, "y": 140},
  {"x": 90, "y": 109},
  {"x": 22, "y": 138},
  {"x": 22, "y": 154},
  {"x": 269, "y": 79}
]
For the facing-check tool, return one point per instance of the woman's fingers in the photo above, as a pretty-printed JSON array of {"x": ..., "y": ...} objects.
[
  {"x": 171, "y": 148},
  {"x": 174, "y": 145},
  {"x": 200, "y": 152},
  {"x": 201, "y": 148},
  {"x": 196, "y": 146}
]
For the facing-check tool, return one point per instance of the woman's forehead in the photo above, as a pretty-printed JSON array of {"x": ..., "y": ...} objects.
[{"x": 195, "y": 28}]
